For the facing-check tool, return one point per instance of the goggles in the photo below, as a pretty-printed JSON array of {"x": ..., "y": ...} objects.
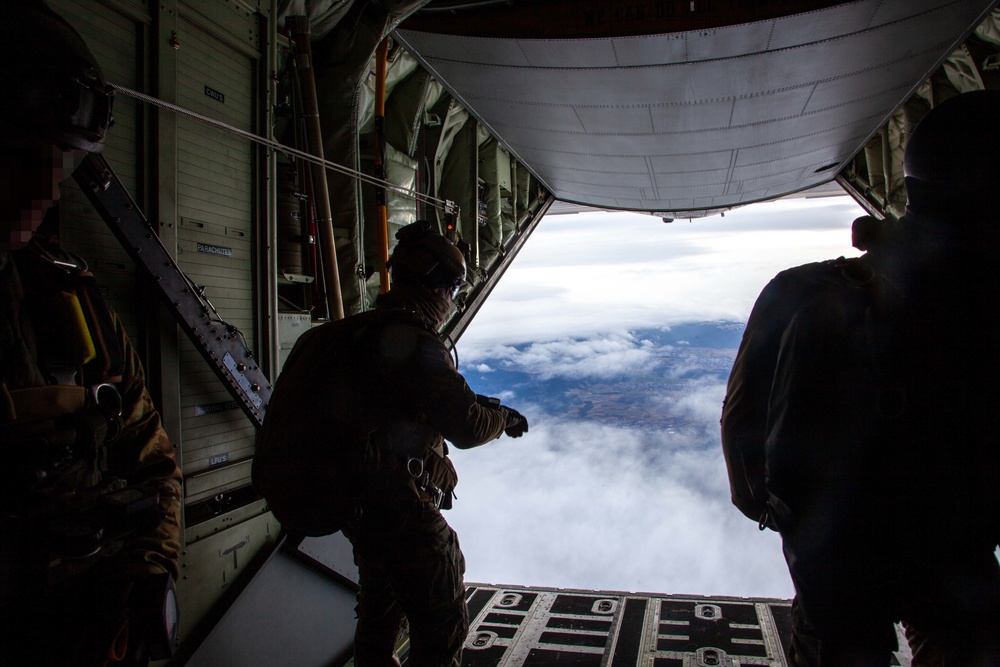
[{"x": 84, "y": 111}]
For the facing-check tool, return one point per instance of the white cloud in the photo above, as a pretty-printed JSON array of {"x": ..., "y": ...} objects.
[
  {"x": 591, "y": 272},
  {"x": 577, "y": 505},
  {"x": 702, "y": 402},
  {"x": 600, "y": 356}
]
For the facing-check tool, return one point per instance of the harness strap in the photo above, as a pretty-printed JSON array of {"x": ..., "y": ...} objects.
[{"x": 72, "y": 320}]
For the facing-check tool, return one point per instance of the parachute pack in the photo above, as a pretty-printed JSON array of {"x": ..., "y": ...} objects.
[
  {"x": 878, "y": 382},
  {"x": 335, "y": 410},
  {"x": 746, "y": 407},
  {"x": 309, "y": 463}
]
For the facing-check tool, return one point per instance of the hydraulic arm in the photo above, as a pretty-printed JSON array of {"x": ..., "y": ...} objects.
[{"x": 221, "y": 344}]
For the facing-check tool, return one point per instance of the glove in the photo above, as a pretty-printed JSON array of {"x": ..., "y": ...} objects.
[{"x": 516, "y": 423}]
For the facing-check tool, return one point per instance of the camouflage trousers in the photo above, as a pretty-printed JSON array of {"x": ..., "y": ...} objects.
[{"x": 410, "y": 568}]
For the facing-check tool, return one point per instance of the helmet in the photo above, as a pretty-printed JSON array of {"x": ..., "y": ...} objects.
[
  {"x": 56, "y": 92},
  {"x": 423, "y": 257},
  {"x": 951, "y": 159}
]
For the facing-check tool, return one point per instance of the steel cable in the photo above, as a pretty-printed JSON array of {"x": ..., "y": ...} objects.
[{"x": 441, "y": 204}]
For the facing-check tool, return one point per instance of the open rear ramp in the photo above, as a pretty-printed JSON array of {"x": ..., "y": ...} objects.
[
  {"x": 515, "y": 627},
  {"x": 299, "y": 610}
]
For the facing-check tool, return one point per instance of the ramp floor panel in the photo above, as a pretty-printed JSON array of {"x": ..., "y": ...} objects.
[{"x": 521, "y": 627}]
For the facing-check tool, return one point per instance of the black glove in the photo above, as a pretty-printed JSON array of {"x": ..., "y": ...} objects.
[{"x": 516, "y": 424}]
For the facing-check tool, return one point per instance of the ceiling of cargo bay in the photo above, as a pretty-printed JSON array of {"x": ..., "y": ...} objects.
[{"x": 683, "y": 107}]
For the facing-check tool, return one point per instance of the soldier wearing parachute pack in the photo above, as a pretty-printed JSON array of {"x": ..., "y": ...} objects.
[
  {"x": 354, "y": 440},
  {"x": 861, "y": 417}
]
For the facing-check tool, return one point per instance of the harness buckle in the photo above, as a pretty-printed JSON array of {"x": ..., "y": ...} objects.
[
  {"x": 108, "y": 397},
  {"x": 415, "y": 466},
  {"x": 765, "y": 519}
]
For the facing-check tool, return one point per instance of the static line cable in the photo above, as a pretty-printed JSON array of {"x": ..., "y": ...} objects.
[{"x": 445, "y": 205}]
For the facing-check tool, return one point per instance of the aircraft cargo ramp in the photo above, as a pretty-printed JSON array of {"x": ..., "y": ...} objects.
[
  {"x": 514, "y": 626},
  {"x": 307, "y": 589},
  {"x": 518, "y": 626}
]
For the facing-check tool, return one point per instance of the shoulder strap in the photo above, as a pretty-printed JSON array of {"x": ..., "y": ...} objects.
[
  {"x": 109, "y": 361},
  {"x": 74, "y": 324}
]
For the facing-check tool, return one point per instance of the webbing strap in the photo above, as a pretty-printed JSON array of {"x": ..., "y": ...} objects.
[{"x": 38, "y": 403}]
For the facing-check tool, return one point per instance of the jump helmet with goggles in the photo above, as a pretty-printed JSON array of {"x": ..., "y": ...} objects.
[
  {"x": 425, "y": 258},
  {"x": 56, "y": 92}
]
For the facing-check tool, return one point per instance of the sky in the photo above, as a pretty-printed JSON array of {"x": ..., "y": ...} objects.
[{"x": 582, "y": 505}]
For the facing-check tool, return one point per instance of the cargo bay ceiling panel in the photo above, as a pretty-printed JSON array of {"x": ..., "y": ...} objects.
[{"x": 683, "y": 108}]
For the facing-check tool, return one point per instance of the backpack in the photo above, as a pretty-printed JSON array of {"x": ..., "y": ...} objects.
[
  {"x": 311, "y": 449},
  {"x": 745, "y": 407},
  {"x": 881, "y": 419}
]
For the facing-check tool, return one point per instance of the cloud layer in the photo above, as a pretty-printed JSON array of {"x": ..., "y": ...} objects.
[
  {"x": 613, "y": 272},
  {"x": 598, "y": 506},
  {"x": 588, "y": 504},
  {"x": 605, "y": 356}
]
